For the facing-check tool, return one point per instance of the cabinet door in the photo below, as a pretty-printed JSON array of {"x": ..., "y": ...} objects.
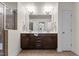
[
  {"x": 32, "y": 40},
  {"x": 49, "y": 42},
  {"x": 24, "y": 41}
]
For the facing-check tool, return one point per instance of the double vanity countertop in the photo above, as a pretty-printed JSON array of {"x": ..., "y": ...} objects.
[{"x": 40, "y": 32}]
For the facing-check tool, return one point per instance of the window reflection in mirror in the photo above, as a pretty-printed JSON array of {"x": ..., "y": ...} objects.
[
  {"x": 31, "y": 26},
  {"x": 41, "y": 26}
]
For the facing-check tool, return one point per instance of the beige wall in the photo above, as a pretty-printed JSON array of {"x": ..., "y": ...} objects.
[{"x": 75, "y": 31}]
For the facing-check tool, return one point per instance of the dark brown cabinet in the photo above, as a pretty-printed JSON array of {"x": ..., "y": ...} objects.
[
  {"x": 42, "y": 41},
  {"x": 25, "y": 41},
  {"x": 49, "y": 41}
]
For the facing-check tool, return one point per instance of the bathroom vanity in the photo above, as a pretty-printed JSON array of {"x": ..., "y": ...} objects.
[
  {"x": 42, "y": 41},
  {"x": 39, "y": 32}
]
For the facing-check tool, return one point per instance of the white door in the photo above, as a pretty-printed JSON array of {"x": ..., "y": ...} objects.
[{"x": 66, "y": 30}]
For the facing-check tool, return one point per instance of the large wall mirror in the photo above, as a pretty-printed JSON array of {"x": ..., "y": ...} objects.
[{"x": 41, "y": 23}]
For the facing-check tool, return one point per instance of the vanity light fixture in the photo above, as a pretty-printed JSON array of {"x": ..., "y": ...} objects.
[
  {"x": 31, "y": 9},
  {"x": 30, "y": 12},
  {"x": 48, "y": 9}
]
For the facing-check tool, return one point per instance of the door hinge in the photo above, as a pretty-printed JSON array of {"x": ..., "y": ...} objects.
[
  {"x": 71, "y": 30},
  {"x": 71, "y": 45},
  {"x": 71, "y": 14}
]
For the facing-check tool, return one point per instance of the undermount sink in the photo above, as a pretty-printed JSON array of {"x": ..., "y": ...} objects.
[{"x": 36, "y": 34}]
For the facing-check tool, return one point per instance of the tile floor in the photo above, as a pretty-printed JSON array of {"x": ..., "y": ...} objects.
[{"x": 45, "y": 53}]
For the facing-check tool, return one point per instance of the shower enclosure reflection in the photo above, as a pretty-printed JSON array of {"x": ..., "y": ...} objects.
[{"x": 1, "y": 29}]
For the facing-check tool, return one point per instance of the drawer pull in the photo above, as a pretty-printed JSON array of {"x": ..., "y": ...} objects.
[
  {"x": 38, "y": 41},
  {"x": 38, "y": 45}
]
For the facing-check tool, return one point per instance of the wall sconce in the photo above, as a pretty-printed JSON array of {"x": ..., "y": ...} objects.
[
  {"x": 48, "y": 9},
  {"x": 47, "y": 12},
  {"x": 30, "y": 12}
]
